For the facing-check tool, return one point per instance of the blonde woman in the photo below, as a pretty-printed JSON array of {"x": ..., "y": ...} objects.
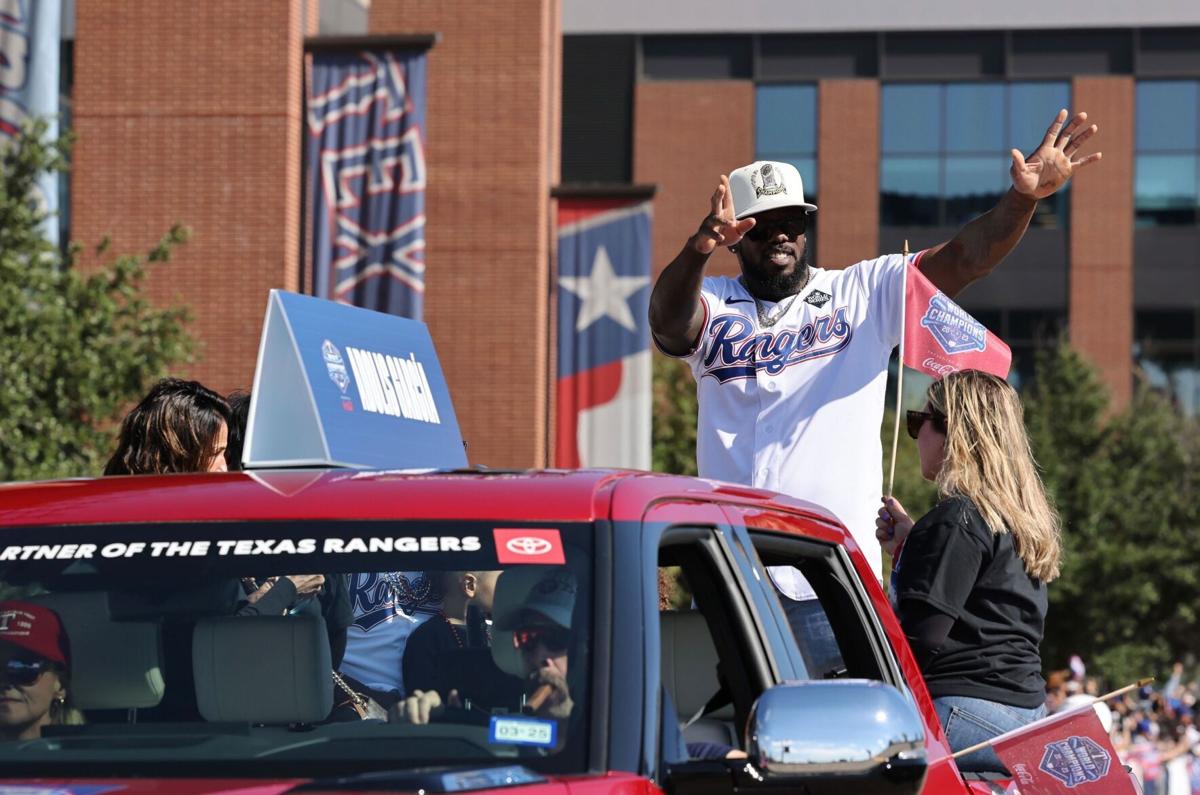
[{"x": 970, "y": 576}]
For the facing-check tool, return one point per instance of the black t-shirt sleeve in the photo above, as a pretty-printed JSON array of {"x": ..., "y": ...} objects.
[
  {"x": 274, "y": 602},
  {"x": 419, "y": 665},
  {"x": 926, "y": 628},
  {"x": 942, "y": 558}
]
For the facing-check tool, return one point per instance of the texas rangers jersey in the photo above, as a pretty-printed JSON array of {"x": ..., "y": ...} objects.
[
  {"x": 387, "y": 607},
  {"x": 796, "y": 407}
]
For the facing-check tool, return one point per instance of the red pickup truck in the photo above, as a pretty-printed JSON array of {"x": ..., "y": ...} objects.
[{"x": 183, "y": 693}]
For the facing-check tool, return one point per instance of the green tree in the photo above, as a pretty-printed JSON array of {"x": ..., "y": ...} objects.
[
  {"x": 77, "y": 348},
  {"x": 1126, "y": 488},
  {"x": 673, "y": 434}
]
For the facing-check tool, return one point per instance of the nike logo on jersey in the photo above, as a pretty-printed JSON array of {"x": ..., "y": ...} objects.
[
  {"x": 735, "y": 351},
  {"x": 738, "y": 301}
]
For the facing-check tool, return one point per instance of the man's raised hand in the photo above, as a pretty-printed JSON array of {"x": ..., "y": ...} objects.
[
  {"x": 1054, "y": 162},
  {"x": 720, "y": 227}
]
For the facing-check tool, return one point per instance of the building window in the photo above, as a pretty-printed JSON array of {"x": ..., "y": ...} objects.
[
  {"x": 944, "y": 148},
  {"x": 1167, "y": 152},
  {"x": 1167, "y": 351},
  {"x": 785, "y": 130}
]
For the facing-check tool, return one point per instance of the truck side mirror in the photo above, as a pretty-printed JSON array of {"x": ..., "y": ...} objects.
[{"x": 861, "y": 733}]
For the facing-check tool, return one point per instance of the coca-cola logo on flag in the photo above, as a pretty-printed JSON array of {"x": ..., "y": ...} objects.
[
  {"x": 517, "y": 545},
  {"x": 954, "y": 329}
]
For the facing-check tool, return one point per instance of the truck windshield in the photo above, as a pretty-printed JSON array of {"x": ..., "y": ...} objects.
[{"x": 293, "y": 648}]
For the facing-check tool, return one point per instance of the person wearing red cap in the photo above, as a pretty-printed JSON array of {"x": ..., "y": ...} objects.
[{"x": 35, "y": 661}]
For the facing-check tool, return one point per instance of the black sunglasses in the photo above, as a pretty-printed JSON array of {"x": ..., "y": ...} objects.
[
  {"x": 792, "y": 228},
  {"x": 915, "y": 419},
  {"x": 24, "y": 673},
  {"x": 551, "y": 638}
]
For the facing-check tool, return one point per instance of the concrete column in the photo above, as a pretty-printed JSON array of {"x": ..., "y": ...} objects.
[
  {"x": 847, "y": 172},
  {"x": 190, "y": 112},
  {"x": 492, "y": 148},
  {"x": 1101, "y": 235},
  {"x": 686, "y": 134}
]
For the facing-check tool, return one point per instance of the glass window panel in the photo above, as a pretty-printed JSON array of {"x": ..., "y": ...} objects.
[
  {"x": 1166, "y": 115},
  {"x": 1020, "y": 376},
  {"x": 910, "y": 189},
  {"x": 973, "y": 186},
  {"x": 975, "y": 117},
  {"x": 1165, "y": 324},
  {"x": 970, "y": 175},
  {"x": 1051, "y": 213},
  {"x": 1031, "y": 108},
  {"x": 1036, "y": 325},
  {"x": 912, "y": 118},
  {"x": 785, "y": 119},
  {"x": 1165, "y": 182}
]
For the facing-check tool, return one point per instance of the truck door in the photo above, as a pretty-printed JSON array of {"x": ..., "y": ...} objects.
[{"x": 709, "y": 656}]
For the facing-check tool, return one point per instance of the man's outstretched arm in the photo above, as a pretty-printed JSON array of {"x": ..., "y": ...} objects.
[
  {"x": 985, "y": 241},
  {"x": 676, "y": 313}
]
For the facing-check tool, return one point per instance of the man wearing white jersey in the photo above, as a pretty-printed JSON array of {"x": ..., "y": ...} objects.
[{"x": 790, "y": 360}]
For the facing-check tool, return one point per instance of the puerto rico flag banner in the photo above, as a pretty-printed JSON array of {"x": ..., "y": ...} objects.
[
  {"x": 366, "y": 178},
  {"x": 941, "y": 338},
  {"x": 603, "y": 390},
  {"x": 1064, "y": 754},
  {"x": 29, "y": 47}
]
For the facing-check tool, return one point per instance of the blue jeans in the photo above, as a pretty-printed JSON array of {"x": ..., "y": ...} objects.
[{"x": 968, "y": 721}]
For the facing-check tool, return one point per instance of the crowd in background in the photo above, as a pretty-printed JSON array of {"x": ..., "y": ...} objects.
[{"x": 1153, "y": 728}]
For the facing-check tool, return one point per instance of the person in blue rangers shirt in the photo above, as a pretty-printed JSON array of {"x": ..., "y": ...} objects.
[
  {"x": 388, "y": 607},
  {"x": 970, "y": 576}
]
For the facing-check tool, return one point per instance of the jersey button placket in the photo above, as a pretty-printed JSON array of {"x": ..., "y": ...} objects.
[{"x": 764, "y": 429}]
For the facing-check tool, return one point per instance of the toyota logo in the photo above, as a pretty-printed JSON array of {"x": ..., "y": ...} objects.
[{"x": 527, "y": 545}]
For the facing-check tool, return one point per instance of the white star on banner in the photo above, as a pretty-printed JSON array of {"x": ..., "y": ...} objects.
[{"x": 604, "y": 293}]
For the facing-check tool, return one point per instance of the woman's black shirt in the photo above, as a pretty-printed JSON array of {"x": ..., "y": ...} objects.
[{"x": 952, "y": 564}]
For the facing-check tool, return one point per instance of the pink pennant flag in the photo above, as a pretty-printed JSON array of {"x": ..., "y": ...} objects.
[
  {"x": 1064, "y": 754},
  {"x": 941, "y": 338}
]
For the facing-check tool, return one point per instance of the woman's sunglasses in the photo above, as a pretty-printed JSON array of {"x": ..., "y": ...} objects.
[
  {"x": 792, "y": 228},
  {"x": 915, "y": 419},
  {"x": 550, "y": 638},
  {"x": 24, "y": 673}
]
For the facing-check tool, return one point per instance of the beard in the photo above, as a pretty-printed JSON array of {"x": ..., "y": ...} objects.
[{"x": 771, "y": 285}]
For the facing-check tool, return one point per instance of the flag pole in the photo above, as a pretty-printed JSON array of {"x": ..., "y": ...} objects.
[
  {"x": 899, "y": 372},
  {"x": 1106, "y": 697}
]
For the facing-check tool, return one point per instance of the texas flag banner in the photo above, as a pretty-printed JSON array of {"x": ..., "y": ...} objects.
[
  {"x": 366, "y": 178},
  {"x": 941, "y": 338},
  {"x": 1065, "y": 754},
  {"x": 603, "y": 390}
]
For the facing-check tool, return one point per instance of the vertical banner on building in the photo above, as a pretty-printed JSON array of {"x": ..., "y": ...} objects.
[
  {"x": 604, "y": 384},
  {"x": 366, "y": 178},
  {"x": 29, "y": 45}
]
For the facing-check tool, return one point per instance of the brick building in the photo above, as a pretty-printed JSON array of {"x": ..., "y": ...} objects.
[
  {"x": 900, "y": 119},
  {"x": 899, "y": 122}
]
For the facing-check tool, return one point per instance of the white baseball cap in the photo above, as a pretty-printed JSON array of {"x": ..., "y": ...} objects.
[{"x": 766, "y": 185}]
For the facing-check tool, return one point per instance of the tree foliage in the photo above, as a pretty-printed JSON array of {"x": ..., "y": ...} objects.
[
  {"x": 77, "y": 347},
  {"x": 1126, "y": 485},
  {"x": 673, "y": 437}
]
